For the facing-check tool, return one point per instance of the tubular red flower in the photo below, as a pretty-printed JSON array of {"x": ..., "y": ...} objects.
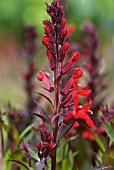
[
  {"x": 73, "y": 93},
  {"x": 74, "y": 57},
  {"x": 51, "y": 60},
  {"x": 76, "y": 74},
  {"x": 41, "y": 76},
  {"x": 81, "y": 112}
]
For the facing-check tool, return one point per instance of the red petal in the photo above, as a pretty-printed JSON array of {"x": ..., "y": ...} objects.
[
  {"x": 90, "y": 123},
  {"x": 83, "y": 92},
  {"x": 87, "y": 106},
  {"x": 76, "y": 124}
]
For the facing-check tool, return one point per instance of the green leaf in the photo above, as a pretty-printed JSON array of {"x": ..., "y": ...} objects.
[
  {"x": 71, "y": 156},
  {"x": 13, "y": 133},
  {"x": 26, "y": 131},
  {"x": 4, "y": 126},
  {"x": 99, "y": 142},
  {"x": 109, "y": 130},
  {"x": 7, "y": 165},
  {"x": 108, "y": 156},
  {"x": 33, "y": 153},
  {"x": 21, "y": 164}
]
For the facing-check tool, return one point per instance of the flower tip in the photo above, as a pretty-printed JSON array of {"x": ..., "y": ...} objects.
[
  {"x": 40, "y": 75},
  {"x": 45, "y": 40},
  {"x": 75, "y": 56},
  {"x": 78, "y": 72}
]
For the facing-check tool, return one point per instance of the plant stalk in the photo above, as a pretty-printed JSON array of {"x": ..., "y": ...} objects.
[{"x": 56, "y": 101}]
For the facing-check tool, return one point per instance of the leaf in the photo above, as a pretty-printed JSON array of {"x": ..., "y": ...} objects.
[
  {"x": 66, "y": 129},
  {"x": 71, "y": 156},
  {"x": 46, "y": 98},
  {"x": 108, "y": 156},
  {"x": 99, "y": 142},
  {"x": 3, "y": 125},
  {"x": 109, "y": 130},
  {"x": 41, "y": 117},
  {"x": 26, "y": 131},
  {"x": 21, "y": 163},
  {"x": 42, "y": 112},
  {"x": 33, "y": 153},
  {"x": 13, "y": 133}
]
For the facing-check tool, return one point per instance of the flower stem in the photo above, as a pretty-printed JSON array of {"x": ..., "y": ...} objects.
[{"x": 56, "y": 101}]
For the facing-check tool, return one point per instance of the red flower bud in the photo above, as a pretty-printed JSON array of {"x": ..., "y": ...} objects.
[
  {"x": 45, "y": 40},
  {"x": 65, "y": 47},
  {"x": 47, "y": 30},
  {"x": 51, "y": 60},
  {"x": 39, "y": 145},
  {"x": 45, "y": 144},
  {"x": 64, "y": 32},
  {"x": 75, "y": 56},
  {"x": 51, "y": 146},
  {"x": 63, "y": 22},
  {"x": 41, "y": 75},
  {"x": 46, "y": 22},
  {"x": 77, "y": 73},
  {"x": 41, "y": 124}
]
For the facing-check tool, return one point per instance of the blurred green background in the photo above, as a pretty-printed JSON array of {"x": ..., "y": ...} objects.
[{"x": 15, "y": 14}]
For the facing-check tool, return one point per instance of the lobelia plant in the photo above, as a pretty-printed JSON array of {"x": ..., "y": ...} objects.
[{"x": 65, "y": 96}]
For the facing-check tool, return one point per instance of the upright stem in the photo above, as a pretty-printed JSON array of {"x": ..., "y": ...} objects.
[{"x": 56, "y": 101}]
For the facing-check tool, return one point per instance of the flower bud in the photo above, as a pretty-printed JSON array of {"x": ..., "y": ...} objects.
[
  {"x": 65, "y": 47},
  {"x": 46, "y": 22},
  {"x": 63, "y": 22},
  {"x": 45, "y": 40},
  {"x": 75, "y": 56},
  {"x": 77, "y": 73},
  {"x": 41, "y": 75},
  {"x": 64, "y": 32},
  {"x": 39, "y": 145},
  {"x": 47, "y": 30}
]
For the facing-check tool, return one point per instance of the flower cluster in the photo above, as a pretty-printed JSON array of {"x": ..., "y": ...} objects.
[
  {"x": 65, "y": 101},
  {"x": 46, "y": 145}
]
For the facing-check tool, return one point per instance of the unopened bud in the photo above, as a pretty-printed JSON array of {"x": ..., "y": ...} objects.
[
  {"x": 77, "y": 73},
  {"x": 41, "y": 75},
  {"x": 75, "y": 56}
]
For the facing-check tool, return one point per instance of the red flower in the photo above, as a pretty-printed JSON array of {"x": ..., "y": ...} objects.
[
  {"x": 74, "y": 57},
  {"x": 41, "y": 76},
  {"x": 81, "y": 112},
  {"x": 73, "y": 93},
  {"x": 76, "y": 74}
]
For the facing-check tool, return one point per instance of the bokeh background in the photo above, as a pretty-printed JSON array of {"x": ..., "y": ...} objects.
[{"x": 15, "y": 14}]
